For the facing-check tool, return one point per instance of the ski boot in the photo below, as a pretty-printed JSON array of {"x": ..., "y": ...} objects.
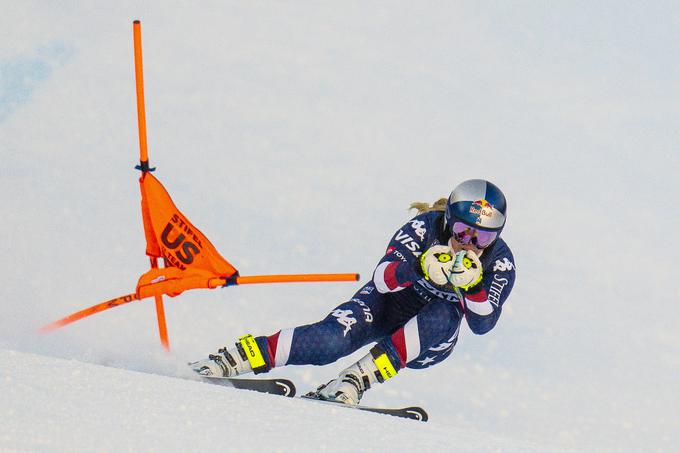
[
  {"x": 352, "y": 382},
  {"x": 246, "y": 357}
]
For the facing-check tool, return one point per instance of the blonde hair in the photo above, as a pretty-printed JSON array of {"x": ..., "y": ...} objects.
[{"x": 423, "y": 207}]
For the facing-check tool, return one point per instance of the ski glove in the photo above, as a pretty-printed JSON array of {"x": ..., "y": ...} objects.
[
  {"x": 466, "y": 270},
  {"x": 437, "y": 264}
]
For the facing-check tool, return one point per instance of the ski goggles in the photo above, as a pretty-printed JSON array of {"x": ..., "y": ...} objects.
[{"x": 465, "y": 234}]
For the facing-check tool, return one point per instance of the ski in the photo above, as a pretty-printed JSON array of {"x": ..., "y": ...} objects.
[
  {"x": 282, "y": 387},
  {"x": 411, "y": 413},
  {"x": 285, "y": 387}
]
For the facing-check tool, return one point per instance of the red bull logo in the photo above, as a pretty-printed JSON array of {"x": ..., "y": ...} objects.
[{"x": 481, "y": 208}]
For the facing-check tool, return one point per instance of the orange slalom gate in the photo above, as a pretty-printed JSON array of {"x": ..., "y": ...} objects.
[
  {"x": 144, "y": 161},
  {"x": 190, "y": 259}
]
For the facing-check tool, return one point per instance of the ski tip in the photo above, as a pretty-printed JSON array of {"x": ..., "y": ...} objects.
[
  {"x": 410, "y": 413},
  {"x": 282, "y": 387},
  {"x": 287, "y": 387},
  {"x": 417, "y": 413}
]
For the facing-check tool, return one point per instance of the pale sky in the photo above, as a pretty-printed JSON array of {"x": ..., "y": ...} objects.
[{"x": 296, "y": 134}]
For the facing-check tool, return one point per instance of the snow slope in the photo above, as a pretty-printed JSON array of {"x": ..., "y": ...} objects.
[
  {"x": 295, "y": 135},
  {"x": 55, "y": 404}
]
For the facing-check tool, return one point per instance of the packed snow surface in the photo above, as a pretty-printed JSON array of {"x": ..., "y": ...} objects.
[
  {"x": 57, "y": 404},
  {"x": 295, "y": 135}
]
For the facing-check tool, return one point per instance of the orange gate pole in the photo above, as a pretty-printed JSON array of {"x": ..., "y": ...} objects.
[
  {"x": 301, "y": 278},
  {"x": 144, "y": 161}
]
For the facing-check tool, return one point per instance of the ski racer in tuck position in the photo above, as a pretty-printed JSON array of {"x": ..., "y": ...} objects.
[{"x": 445, "y": 264}]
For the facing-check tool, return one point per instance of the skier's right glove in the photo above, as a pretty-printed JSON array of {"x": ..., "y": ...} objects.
[{"x": 437, "y": 264}]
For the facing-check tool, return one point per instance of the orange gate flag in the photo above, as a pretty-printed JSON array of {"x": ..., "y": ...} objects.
[
  {"x": 192, "y": 259},
  {"x": 170, "y": 235}
]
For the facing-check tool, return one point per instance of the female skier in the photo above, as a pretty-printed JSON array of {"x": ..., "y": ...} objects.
[{"x": 445, "y": 264}]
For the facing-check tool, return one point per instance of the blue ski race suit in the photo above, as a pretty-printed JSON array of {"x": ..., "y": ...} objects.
[{"x": 415, "y": 322}]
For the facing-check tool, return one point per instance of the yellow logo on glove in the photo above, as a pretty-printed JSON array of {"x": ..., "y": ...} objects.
[{"x": 444, "y": 257}]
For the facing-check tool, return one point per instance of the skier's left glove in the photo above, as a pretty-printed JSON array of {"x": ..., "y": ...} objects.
[{"x": 467, "y": 270}]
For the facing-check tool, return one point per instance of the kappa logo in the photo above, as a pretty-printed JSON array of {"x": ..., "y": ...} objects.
[
  {"x": 503, "y": 265},
  {"x": 417, "y": 226},
  {"x": 345, "y": 319}
]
